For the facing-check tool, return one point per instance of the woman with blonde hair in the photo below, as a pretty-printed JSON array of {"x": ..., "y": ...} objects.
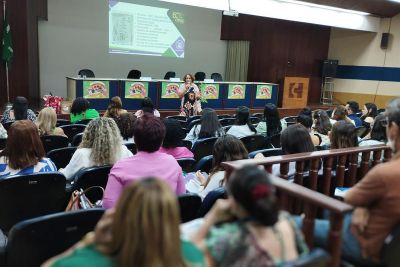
[
  {"x": 101, "y": 145},
  {"x": 142, "y": 230},
  {"x": 114, "y": 109},
  {"x": 46, "y": 122}
]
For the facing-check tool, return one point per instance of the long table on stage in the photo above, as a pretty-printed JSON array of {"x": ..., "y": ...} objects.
[{"x": 218, "y": 95}]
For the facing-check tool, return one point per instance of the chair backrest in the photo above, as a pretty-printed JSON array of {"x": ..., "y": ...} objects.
[
  {"x": 51, "y": 142},
  {"x": 193, "y": 123},
  {"x": 227, "y": 121},
  {"x": 316, "y": 258},
  {"x": 188, "y": 144},
  {"x": 258, "y": 115},
  {"x": 224, "y": 116},
  {"x": 86, "y": 73},
  {"x": 61, "y": 156},
  {"x": 177, "y": 117},
  {"x": 254, "y": 142},
  {"x": 204, "y": 164},
  {"x": 84, "y": 121},
  {"x": 73, "y": 129},
  {"x": 203, "y": 147},
  {"x": 131, "y": 147},
  {"x": 27, "y": 196},
  {"x": 187, "y": 164},
  {"x": 77, "y": 139},
  {"x": 134, "y": 74},
  {"x": 274, "y": 141},
  {"x": 169, "y": 74},
  {"x": 210, "y": 200},
  {"x": 269, "y": 152},
  {"x": 189, "y": 205},
  {"x": 199, "y": 76},
  {"x": 93, "y": 176},
  {"x": 192, "y": 118},
  {"x": 217, "y": 77},
  {"x": 291, "y": 119},
  {"x": 3, "y": 142},
  {"x": 61, "y": 122},
  {"x": 254, "y": 120},
  {"x": 391, "y": 248},
  {"x": 33, "y": 241}
]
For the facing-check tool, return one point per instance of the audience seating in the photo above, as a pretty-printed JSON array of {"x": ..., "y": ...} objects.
[
  {"x": 61, "y": 122},
  {"x": 217, "y": 77},
  {"x": 258, "y": 115},
  {"x": 253, "y": 142},
  {"x": 269, "y": 152},
  {"x": 381, "y": 110},
  {"x": 361, "y": 131},
  {"x": 131, "y": 147},
  {"x": 7, "y": 125},
  {"x": 291, "y": 119},
  {"x": 193, "y": 123},
  {"x": 77, "y": 139},
  {"x": 226, "y": 128},
  {"x": 51, "y": 142},
  {"x": 3, "y": 142},
  {"x": 191, "y": 118},
  {"x": 86, "y": 73},
  {"x": 227, "y": 121},
  {"x": 169, "y": 75},
  {"x": 188, "y": 144},
  {"x": 189, "y": 205},
  {"x": 274, "y": 141},
  {"x": 27, "y": 196},
  {"x": 61, "y": 156},
  {"x": 210, "y": 199},
  {"x": 72, "y": 130},
  {"x": 316, "y": 258},
  {"x": 84, "y": 121},
  {"x": 224, "y": 116},
  {"x": 254, "y": 120},
  {"x": 33, "y": 241},
  {"x": 203, "y": 147},
  {"x": 177, "y": 117},
  {"x": 186, "y": 164},
  {"x": 204, "y": 164},
  {"x": 92, "y": 176},
  {"x": 199, "y": 76},
  {"x": 134, "y": 74}
]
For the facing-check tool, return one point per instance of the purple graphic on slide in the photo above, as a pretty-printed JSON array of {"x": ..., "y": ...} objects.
[
  {"x": 179, "y": 46},
  {"x": 112, "y": 3}
]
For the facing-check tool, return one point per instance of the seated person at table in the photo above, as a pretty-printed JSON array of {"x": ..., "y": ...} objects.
[
  {"x": 149, "y": 132},
  {"x": 46, "y": 123},
  {"x": 80, "y": 110},
  {"x": 143, "y": 230},
  {"x": 101, "y": 145},
  {"x": 24, "y": 152},
  {"x": 173, "y": 140},
  {"x": 271, "y": 124},
  {"x": 226, "y": 148},
  {"x": 259, "y": 234},
  {"x": 114, "y": 109},
  {"x": 125, "y": 124},
  {"x": 242, "y": 127},
  {"x": 19, "y": 111},
  {"x": 147, "y": 107},
  {"x": 209, "y": 126}
]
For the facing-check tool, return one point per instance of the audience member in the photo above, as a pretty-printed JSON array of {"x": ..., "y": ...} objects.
[
  {"x": 101, "y": 145},
  {"x": 242, "y": 127},
  {"x": 340, "y": 114},
  {"x": 46, "y": 123},
  {"x": 259, "y": 235},
  {"x": 343, "y": 135},
  {"x": 19, "y": 111},
  {"x": 369, "y": 112},
  {"x": 209, "y": 127},
  {"x": 307, "y": 122},
  {"x": 143, "y": 230},
  {"x": 226, "y": 148},
  {"x": 149, "y": 132},
  {"x": 322, "y": 126},
  {"x": 377, "y": 135},
  {"x": 3, "y": 132},
  {"x": 24, "y": 152},
  {"x": 114, "y": 109},
  {"x": 125, "y": 124},
  {"x": 271, "y": 124},
  {"x": 80, "y": 110},
  {"x": 352, "y": 109},
  {"x": 147, "y": 106},
  {"x": 172, "y": 144}
]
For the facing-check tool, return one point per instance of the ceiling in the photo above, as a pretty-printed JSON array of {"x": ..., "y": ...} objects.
[{"x": 381, "y": 8}]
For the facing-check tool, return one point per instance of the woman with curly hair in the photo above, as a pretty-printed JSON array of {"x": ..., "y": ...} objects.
[
  {"x": 101, "y": 145},
  {"x": 125, "y": 124}
]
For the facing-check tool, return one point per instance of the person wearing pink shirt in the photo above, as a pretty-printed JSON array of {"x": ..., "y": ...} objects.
[
  {"x": 172, "y": 144},
  {"x": 149, "y": 132}
]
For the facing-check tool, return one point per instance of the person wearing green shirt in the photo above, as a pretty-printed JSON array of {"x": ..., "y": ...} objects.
[{"x": 80, "y": 110}]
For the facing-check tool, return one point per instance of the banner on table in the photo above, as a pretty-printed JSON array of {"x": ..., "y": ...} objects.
[
  {"x": 209, "y": 90},
  {"x": 264, "y": 91},
  {"x": 169, "y": 90},
  {"x": 96, "y": 89},
  {"x": 136, "y": 90},
  {"x": 236, "y": 91}
]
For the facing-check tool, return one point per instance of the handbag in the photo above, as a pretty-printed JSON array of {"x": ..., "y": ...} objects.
[{"x": 79, "y": 200}]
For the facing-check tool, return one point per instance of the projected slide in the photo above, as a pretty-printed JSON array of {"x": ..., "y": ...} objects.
[{"x": 145, "y": 30}]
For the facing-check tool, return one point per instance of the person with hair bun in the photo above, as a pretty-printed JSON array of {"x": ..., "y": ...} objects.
[
  {"x": 259, "y": 234},
  {"x": 114, "y": 109}
]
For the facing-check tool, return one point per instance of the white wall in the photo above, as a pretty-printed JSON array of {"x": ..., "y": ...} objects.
[{"x": 76, "y": 37}]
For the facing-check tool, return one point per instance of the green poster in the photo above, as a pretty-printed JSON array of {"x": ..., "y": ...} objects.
[
  {"x": 209, "y": 90},
  {"x": 170, "y": 90},
  {"x": 236, "y": 91},
  {"x": 136, "y": 90},
  {"x": 96, "y": 89},
  {"x": 264, "y": 91}
]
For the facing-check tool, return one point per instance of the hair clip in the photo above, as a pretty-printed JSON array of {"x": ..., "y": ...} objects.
[{"x": 259, "y": 191}]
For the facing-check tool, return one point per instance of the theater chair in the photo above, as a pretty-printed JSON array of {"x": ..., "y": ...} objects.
[
  {"x": 204, "y": 164},
  {"x": 72, "y": 129},
  {"x": 217, "y": 77},
  {"x": 186, "y": 164},
  {"x": 253, "y": 142},
  {"x": 86, "y": 73},
  {"x": 203, "y": 147},
  {"x": 134, "y": 74},
  {"x": 189, "y": 205},
  {"x": 61, "y": 156},
  {"x": 169, "y": 75},
  {"x": 51, "y": 142},
  {"x": 199, "y": 76}
]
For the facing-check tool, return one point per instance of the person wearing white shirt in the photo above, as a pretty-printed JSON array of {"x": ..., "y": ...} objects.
[
  {"x": 209, "y": 127},
  {"x": 243, "y": 126}
]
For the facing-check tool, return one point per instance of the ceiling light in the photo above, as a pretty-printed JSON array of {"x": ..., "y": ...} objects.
[{"x": 329, "y": 7}]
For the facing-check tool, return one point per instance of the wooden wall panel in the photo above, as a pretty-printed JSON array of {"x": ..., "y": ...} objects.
[{"x": 281, "y": 48}]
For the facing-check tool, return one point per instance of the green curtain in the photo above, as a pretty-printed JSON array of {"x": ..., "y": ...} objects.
[{"x": 237, "y": 61}]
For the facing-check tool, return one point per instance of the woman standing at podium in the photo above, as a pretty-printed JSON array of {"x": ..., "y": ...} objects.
[{"x": 190, "y": 95}]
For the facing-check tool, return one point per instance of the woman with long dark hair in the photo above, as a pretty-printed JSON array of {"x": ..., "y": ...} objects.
[
  {"x": 242, "y": 127},
  {"x": 19, "y": 111},
  {"x": 271, "y": 124},
  {"x": 369, "y": 112},
  {"x": 321, "y": 127},
  {"x": 172, "y": 143},
  {"x": 209, "y": 126},
  {"x": 147, "y": 106}
]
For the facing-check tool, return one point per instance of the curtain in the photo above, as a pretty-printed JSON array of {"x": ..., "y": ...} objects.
[{"x": 237, "y": 61}]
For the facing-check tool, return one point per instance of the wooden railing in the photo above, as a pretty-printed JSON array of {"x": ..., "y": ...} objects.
[{"x": 296, "y": 198}]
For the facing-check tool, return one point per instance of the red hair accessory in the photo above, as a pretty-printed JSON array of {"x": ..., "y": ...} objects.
[{"x": 259, "y": 191}]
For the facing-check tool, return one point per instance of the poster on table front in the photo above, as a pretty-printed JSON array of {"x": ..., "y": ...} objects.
[
  {"x": 136, "y": 90},
  {"x": 170, "y": 90},
  {"x": 209, "y": 91},
  {"x": 96, "y": 89},
  {"x": 236, "y": 91},
  {"x": 264, "y": 91}
]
